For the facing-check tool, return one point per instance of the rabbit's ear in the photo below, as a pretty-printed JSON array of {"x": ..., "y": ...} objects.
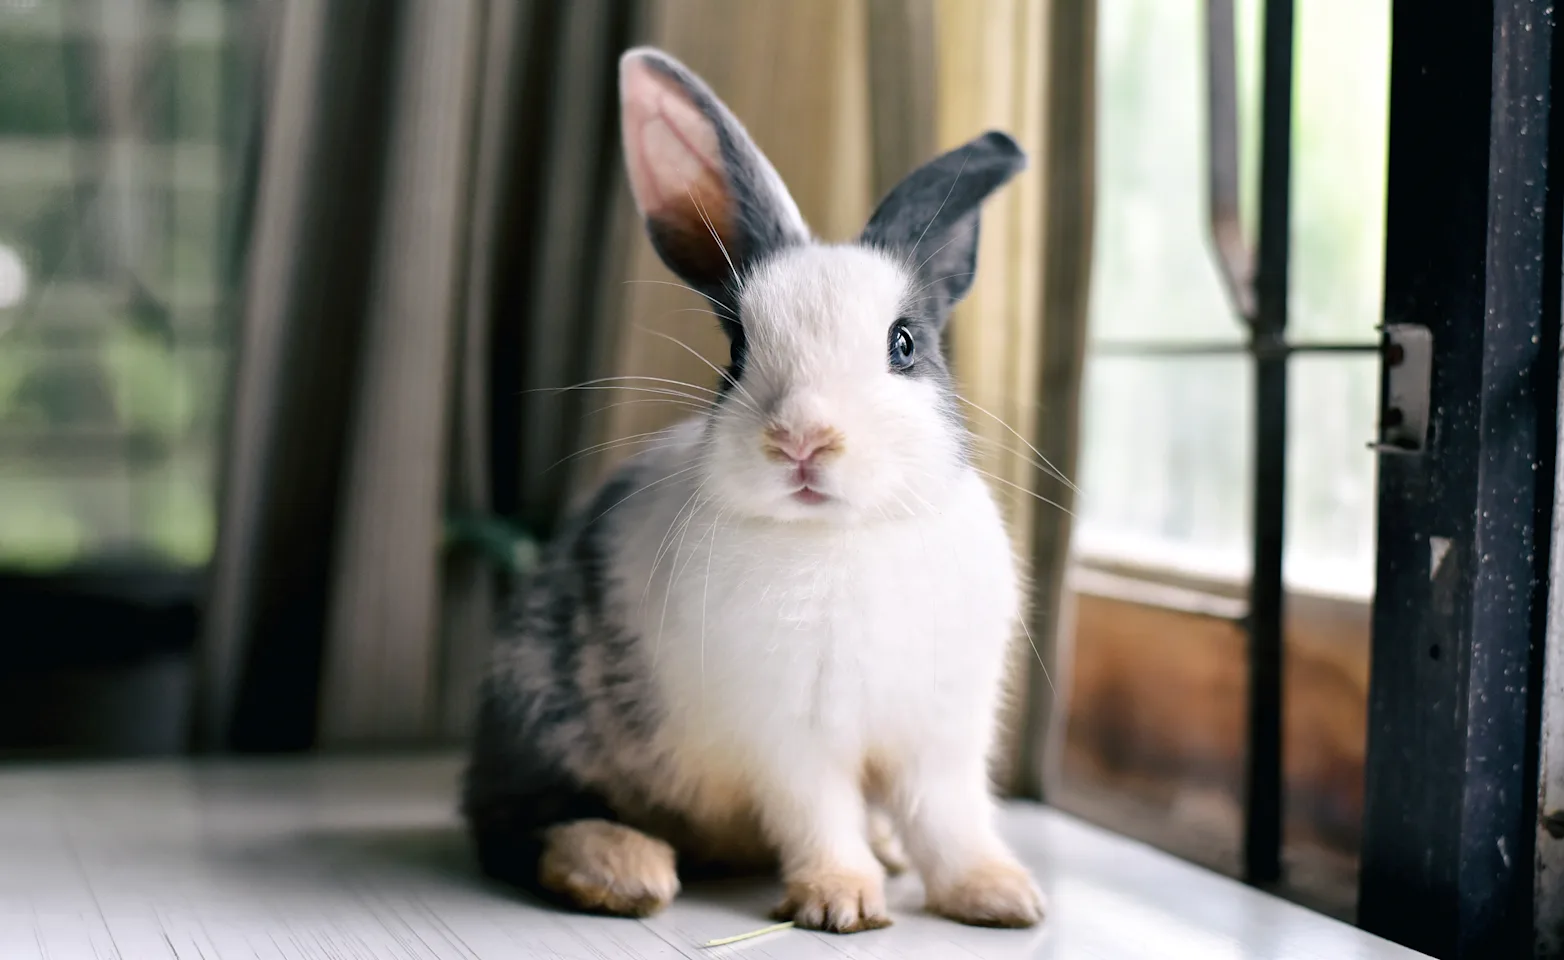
[
  {"x": 930, "y": 219},
  {"x": 713, "y": 204}
]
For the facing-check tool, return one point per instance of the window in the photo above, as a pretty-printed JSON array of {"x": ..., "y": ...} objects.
[
  {"x": 124, "y": 132},
  {"x": 120, "y": 173},
  {"x": 1156, "y": 738},
  {"x": 1165, "y": 449}
]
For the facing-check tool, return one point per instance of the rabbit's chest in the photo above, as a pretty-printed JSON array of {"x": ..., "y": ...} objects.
[{"x": 855, "y": 635}]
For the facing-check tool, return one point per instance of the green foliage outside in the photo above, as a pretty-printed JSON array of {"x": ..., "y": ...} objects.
[{"x": 113, "y": 367}]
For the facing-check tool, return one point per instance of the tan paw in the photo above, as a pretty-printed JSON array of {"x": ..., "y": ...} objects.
[
  {"x": 997, "y": 894},
  {"x": 886, "y": 844},
  {"x": 608, "y": 867},
  {"x": 838, "y": 902}
]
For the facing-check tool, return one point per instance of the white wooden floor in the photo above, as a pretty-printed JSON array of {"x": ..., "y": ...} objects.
[{"x": 361, "y": 859}]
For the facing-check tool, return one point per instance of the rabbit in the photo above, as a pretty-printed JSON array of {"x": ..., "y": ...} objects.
[{"x": 775, "y": 639}]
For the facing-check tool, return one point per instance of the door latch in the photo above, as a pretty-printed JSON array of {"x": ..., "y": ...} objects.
[{"x": 1407, "y": 362}]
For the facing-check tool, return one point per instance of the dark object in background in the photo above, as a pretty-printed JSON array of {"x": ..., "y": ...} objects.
[{"x": 97, "y": 660}]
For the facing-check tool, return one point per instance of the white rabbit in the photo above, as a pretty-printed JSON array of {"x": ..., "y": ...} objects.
[{"x": 792, "y": 613}]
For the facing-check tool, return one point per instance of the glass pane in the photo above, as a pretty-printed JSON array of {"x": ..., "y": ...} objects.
[
  {"x": 1331, "y": 487},
  {"x": 120, "y": 173},
  {"x": 1154, "y": 277},
  {"x": 1165, "y": 473},
  {"x": 1338, "y": 167},
  {"x": 1165, "y": 463},
  {"x": 1154, "y": 280}
]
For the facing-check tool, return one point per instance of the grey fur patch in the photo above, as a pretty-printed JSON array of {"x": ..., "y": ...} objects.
[
  {"x": 738, "y": 353},
  {"x": 931, "y": 219},
  {"x": 569, "y": 718},
  {"x": 927, "y": 327},
  {"x": 564, "y": 696}
]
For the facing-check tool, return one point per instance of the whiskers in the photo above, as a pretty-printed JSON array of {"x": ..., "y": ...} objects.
[
  {"x": 663, "y": 387},
  {"x": 1027, "y": 632},
  {"x": 645, "y": 442},
  {"x": 1034, "y": 458},
  {"x": 677, "y": 528},
  {"x": 1041, "y": 462},
  {"x": 1020, "y": 488},
  {"x": 741, "y": 395},
  {"x": 717, "y": 310},
  {"x": 674, "y": 475},
  {"x": 681, "y": 394},
  {"x": 733, "y": 270}
]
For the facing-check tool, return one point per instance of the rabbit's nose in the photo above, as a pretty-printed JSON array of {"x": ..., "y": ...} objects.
[{"x": 804, "y": 445}]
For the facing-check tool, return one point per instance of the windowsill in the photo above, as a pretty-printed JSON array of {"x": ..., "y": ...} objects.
[
  {"x": 367, "y": 854},
  {"x": 1202, "y": 589}
]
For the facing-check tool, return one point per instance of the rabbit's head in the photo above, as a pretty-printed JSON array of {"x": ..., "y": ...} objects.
[{"x": 837, "y": 402}]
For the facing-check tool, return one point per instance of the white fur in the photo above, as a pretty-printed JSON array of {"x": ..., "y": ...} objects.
[{"x": 798, "y": 644}]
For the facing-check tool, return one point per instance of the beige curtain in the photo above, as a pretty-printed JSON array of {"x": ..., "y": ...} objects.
[
  {"x": 300, "y": 328},
  {"x": 381, "y": 662},
  {"x": 436, "y": 211}
]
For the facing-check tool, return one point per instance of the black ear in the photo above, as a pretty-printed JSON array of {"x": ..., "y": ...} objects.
[
  {"x": 930, "y": 219},
  {"x": 714, "y": 206}
]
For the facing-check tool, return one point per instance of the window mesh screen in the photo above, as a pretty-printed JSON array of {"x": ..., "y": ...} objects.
[{"x": 123, "y": 131}]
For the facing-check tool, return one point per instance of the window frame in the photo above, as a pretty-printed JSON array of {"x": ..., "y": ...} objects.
[{"x": 1257, "y": 283}]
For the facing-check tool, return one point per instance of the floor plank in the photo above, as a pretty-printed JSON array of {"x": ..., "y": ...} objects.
[{"x": 362, "y": 859}]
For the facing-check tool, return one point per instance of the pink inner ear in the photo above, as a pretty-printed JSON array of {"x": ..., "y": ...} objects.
[{"x": 671, "y": 150}]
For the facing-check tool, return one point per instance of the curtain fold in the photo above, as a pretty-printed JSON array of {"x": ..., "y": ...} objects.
[
  {"x": 467, "y": 584},
  {"x": 297, "y": 351},
  {"x": 571, "y": 257},
  {"x": 903, "y": 80},
  {"x": 380, "y": 659},
  {"x": 437, "y": 214},
  {"x": 990, "y": 76},
  {"x": 1069, "y": 155}
]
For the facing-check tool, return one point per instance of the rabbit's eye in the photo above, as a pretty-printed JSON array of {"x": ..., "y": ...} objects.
[{"x": 903, "y": 350}]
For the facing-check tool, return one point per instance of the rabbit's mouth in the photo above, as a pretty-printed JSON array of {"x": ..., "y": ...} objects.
[
  {"x": 809, "y": 495},
  {"x": 805, "y": 476}
]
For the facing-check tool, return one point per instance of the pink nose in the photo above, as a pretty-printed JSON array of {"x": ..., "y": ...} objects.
[{"x": 804, "y": 445}]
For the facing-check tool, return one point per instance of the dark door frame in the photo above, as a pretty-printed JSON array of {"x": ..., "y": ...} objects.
[{"x": 1473, "y": 255}]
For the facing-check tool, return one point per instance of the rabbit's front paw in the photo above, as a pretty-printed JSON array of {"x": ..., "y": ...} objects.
[
  {"x": 999, "y": 893},
  {"x": 838, "y": 901}
]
